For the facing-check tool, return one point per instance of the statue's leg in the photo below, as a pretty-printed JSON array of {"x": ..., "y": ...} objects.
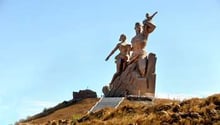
[
  {"x": 118, "y": 65},
  {"x": 118, "y": 69},
  {"x": 142, "y": 66},
  {"x": 124, "y": 64}
]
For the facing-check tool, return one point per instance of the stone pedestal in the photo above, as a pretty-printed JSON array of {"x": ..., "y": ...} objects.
[{"x": 138, "y": 78}]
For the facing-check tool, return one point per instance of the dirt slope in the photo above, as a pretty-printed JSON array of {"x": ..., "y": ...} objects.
[
  {"x": 162, "y": 112},
  {"x": 68, "y": 113},
  {"x": 194, "y": 111}
]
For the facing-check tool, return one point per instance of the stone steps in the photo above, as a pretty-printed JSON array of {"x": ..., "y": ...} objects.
[{"x": 104, "y": 102}]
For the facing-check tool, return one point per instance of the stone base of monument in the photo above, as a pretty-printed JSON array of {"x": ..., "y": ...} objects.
[
  {"x": 105, "y": 102},
  {"x": 136, "y": 83},
  {"x": 114, "y": 102},
  {"x": 139, "y": 78},
  {"x": 140, "y": 98}
]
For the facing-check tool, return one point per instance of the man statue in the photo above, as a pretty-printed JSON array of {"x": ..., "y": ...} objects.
[
  {"x": 122, "y": 58},
  {"x": 136, "y": 73},
  {"x": 139, "y": 42}
]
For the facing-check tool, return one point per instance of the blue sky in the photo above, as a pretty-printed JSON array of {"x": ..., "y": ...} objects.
[{"x": 49, "y": 48}]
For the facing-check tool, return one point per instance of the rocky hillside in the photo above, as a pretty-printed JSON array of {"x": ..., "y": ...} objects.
[
  {"x": 194, "y": 111},
  {"x": 162, "y": 112}
]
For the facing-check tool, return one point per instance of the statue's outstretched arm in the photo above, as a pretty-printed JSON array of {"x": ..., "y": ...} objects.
[{"x": 112, "y": 52}]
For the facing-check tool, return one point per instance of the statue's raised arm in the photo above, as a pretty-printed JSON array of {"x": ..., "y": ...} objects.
[{"x": 148, "y": 26}]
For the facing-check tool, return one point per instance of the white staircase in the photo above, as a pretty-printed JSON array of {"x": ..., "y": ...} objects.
[{"x": 104, "y": 102}]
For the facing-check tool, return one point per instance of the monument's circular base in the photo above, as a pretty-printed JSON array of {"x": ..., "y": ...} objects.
[{"x": 140, "y": 98}]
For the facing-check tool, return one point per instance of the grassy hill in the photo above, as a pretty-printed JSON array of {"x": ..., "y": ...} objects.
[
  {"x": 161, "y": 112},
  {"x": 69, "y": 112}
]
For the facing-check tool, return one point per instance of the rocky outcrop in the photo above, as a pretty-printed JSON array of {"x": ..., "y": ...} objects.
[
  {"x": 83, "y": 94},
  {"x": 137, "y": 79}
]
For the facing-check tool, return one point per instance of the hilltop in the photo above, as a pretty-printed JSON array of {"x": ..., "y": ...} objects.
[
  {"x": 166, "y": 112},
  {"x": 161, "y": 111}
]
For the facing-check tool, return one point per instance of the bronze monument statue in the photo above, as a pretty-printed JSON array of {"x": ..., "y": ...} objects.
[
  {"x": 122, "y": 58},
  {"x": 135, "y": 76}
]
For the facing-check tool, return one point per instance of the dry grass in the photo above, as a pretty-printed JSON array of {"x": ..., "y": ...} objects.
[
  {"x": 188, "y": 112},
  {"x": 74, "y": 111},
  {"x": 162, "y": 112}
]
